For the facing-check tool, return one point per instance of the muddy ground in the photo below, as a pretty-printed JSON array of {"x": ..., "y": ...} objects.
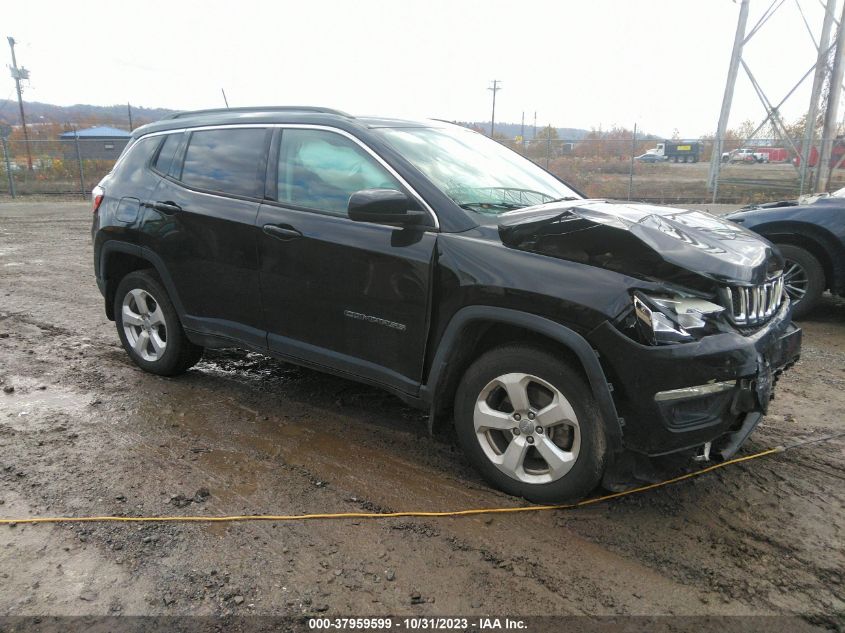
[{"x": 84, "y": 432}]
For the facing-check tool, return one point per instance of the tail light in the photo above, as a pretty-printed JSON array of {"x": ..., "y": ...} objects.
[{"x": 97, "y": 197}]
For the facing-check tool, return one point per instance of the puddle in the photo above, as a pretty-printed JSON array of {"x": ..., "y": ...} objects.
[
  {"x": 29, "y": 405},
  {"x": 248, "y": 364}
]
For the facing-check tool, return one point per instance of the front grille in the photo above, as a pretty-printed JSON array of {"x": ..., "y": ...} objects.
[{"x": 753, "y": 305}]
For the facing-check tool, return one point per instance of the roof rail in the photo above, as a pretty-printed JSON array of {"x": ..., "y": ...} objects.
[{"x": 179, "y": 115}]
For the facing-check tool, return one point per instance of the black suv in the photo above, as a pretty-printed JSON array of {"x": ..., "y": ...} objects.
[{"x": 568, "y": 336}]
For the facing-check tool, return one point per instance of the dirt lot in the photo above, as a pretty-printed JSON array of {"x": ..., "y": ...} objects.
[{"x": 84, "y": 432}]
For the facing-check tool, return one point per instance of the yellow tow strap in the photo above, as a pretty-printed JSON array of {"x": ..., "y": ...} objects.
[{"x": 393, "y": 515}]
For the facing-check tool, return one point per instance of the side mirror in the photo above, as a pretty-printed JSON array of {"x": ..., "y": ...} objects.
[{"x": 383, "y": 206}]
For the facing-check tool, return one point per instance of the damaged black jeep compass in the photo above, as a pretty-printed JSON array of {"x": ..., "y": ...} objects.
[{"x": 565, "y": 335}]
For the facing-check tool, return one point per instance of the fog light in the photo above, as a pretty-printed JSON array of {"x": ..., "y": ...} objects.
[{"x": 694, "y": 392}]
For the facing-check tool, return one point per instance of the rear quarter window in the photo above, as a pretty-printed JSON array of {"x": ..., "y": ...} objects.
[
  {"x": 131, "y": 166},
  {"x": 225, "y": 161},
  {"x": 164, "y": 161}
]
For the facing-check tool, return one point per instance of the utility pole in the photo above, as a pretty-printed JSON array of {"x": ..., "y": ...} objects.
[
  {"x": 631, "y": 172},
  {"x": 522, "y": 132},
  {"x": 17, "y": 75},
  {"x": 724, "y": 114},
  {"x": 494, "y": 88},
  {"x": 830, "y": 115},
  {"x": 534, "y": 131},
  {"x": 815, "y": 95},
  {"x": 129, "y": 111}
]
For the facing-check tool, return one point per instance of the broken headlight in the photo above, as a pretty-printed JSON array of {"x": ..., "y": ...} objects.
[{"x": 663, "y": 320}]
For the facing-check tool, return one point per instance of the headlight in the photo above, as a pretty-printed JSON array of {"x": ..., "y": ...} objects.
[{"x": 670, "y": 319}]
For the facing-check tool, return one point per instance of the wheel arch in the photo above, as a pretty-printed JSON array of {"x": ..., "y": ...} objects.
[
  {"x": 475, "y": 329},
  {"x": 117, "y": 259}
]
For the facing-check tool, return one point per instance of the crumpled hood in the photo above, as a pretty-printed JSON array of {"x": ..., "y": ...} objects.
[{"x": 642, "y": 239}]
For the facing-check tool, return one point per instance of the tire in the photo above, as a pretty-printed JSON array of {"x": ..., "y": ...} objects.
[
  {"x": 802, "y": 272},
  {"x": 548, "y": 389},
  {"x": 149, "y": 327}
]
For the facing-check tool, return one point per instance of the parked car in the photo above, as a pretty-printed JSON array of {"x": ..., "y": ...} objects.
[
  {"x": 565, "y": 335},
  {"x": 745, "y": 156},
  {"x": 650, "y": 158},
  {"x": 810, "y": 233}
]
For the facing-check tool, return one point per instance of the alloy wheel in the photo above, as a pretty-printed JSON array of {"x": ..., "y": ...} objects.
[
  {"x": 527, "y": 428},
  {"x": 144, "y": 324},
  {"x": 795, "y": 280}
]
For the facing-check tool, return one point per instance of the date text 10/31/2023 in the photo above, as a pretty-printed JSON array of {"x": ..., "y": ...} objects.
[{"x": 418, "y": 624}]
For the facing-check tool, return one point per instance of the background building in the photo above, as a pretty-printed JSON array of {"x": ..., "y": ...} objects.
[{"x": 96, "y": 143}]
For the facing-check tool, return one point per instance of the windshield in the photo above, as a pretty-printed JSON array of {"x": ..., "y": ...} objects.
[{"x": 476, "y": 172}]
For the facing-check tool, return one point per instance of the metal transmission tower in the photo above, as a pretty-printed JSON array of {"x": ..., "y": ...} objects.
[
  {"x": 18, "y": 74},
  {"x": 495, "y": 88},
  {"x": 830, "y": 116},
  {"x": 820, "y": 69},
  {"x": 727, "y": 99},
  {"x": 818, "y": 81}
]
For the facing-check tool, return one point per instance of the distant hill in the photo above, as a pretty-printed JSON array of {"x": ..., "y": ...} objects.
[
  {"x": 83, "y": 115},
  {"x": 512, "y": 130},
  {"x": 80, "y": 114}
]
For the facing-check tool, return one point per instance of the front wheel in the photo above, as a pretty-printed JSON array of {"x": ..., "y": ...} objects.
[
  {"x": 529, "y": 424},
  {"x": 803, "y": 279},
  {"x": 149, "y": 327}
]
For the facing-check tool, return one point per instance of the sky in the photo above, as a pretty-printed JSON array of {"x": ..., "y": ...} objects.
[{"x": 589, "y": 64}]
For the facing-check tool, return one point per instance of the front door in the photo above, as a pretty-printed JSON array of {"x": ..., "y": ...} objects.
[{"x": 353, "y": 296}]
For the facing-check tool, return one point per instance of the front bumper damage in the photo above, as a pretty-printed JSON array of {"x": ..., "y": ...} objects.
[{"x": 676, "y": 398}]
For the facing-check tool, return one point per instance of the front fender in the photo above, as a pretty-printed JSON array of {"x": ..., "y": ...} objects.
[{"x": 439, "y": 376}]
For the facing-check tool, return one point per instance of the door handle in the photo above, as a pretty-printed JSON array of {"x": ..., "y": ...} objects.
[
  {"x": 282, "y": 231},
  {"x": 167, "y": 207}
]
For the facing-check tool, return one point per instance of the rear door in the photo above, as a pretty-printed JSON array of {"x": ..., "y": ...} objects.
[
  {"x": 350, "y": 295},
  {"x": 202, "y": 224}
]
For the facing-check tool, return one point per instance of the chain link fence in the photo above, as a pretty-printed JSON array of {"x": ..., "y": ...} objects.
[
  {"x": 758, "y": 170},
  {"x": 61, "y": 167},
  {"x": 598, "y": 167}
]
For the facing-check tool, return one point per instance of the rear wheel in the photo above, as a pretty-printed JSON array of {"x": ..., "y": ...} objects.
[
  {"x": 530, "y": 426},
  {"x": 149, "y": 327},
  {"x": 803, "y": 278}
]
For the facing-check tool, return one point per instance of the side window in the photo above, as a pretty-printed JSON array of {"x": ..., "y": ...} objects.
[
  {"x": 167, "y": 152},
  {"x": 319, "y": 170},
  {"x": 225, "y": 160}
]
